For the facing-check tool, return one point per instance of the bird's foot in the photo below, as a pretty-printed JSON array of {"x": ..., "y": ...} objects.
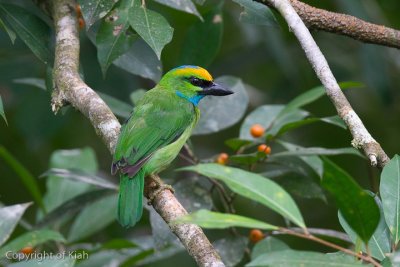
[{"x": 161, "y": 187}]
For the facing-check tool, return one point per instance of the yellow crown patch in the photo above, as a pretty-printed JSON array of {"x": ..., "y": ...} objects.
[{"x": 195, "y": 71}]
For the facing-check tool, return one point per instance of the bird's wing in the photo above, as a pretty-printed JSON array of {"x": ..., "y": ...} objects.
[{"x": 158, "y": 120}]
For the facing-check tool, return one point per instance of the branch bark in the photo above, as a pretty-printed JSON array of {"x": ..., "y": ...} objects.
[
  {"x": 70, "y": 89},
  {"x": 342, "y": 24},
  {"x": 362, "y": 139}
]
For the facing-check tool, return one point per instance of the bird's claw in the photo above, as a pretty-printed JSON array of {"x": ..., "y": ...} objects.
[{"x": 153, "y": 194}]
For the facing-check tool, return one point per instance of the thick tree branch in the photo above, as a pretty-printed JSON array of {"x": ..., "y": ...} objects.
[
  {"x": 70, "y": 89},
  {"x": 362, "y": 139},
  {"x": 322, "y": 20}
]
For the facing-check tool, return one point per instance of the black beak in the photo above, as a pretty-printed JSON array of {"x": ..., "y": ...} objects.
[{"x": 215, "y": 89}]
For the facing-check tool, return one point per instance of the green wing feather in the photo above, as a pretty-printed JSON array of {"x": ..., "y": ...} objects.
[{"x": 159, "y": 119}]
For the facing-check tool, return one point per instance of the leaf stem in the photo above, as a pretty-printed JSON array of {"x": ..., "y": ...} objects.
[{"x": 329, "y": 244}]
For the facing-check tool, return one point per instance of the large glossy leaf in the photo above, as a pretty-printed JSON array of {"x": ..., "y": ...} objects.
[
  {"x": 263, "y": 115},
  {"x": 118, "y": 107},
  {"x": 31, "y": 29},
  {"x": 380, "y": 243},
  {"x": 197, "y": 51},
  {"x": 359, "y": 209},
  {"x": 231, "y": 249},
  {"x": 114, "y": 36},
  {"x": 151, "y": 26},
  {"x": 10, "y": 216},
  {"x": 256, "y": 13},
  {"x": 31, "y": 239},
  {"x": 10, "y": 32},
  {"x": 288, "y": 118},
  {"x": 94, "y": 217},
  {"x": 94, "y": 10},
  {"x": 293, "y": 258},
  {"x": 255, "y": 187},
  {"x": 267, "y": 245},
  {"x": 218, "y": 113},
  {"x": 2, "y": 114},
  {"x": 311, "y": 151},
  {"x": 47, "y": 262},
  {"x": 79, "y": 159},
  {"x": 72, "y": 206},
  {"x": 82, "y": 176},
  {"x": 216, "y": 220},
  {"x": 26, "y": 177},
  {"x": 183, "y": 5},
  {"x": 141, "y": 60},
  {"x": 390, "y": 193}
]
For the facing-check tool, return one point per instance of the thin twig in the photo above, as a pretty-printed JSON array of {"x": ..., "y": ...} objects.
[{"x": 329, "y": 244}]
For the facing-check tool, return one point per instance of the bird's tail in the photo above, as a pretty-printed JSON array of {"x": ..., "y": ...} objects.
[{"x": 130, "y": 201}]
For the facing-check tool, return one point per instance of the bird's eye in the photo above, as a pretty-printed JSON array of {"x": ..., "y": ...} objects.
[{"x": 195, "y": 81}]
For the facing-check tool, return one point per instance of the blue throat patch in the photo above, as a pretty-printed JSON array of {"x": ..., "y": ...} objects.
[{"x": 194, "y": 99}]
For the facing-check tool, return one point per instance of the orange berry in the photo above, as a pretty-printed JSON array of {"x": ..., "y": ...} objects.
[
  {"x": 256, "y": 235},
  {"x": 261, "y": 148},
  {"x": 257, "y": 130},
  {"x": 222, "y": 158},
  {"x": 27, "y": 250},
  {"x": 81, "y": 23},
  {"x": 267, "y": 150},
  {"x": 78, "y": 11}
]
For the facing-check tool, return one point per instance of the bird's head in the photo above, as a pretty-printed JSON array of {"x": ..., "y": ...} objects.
[{"x": 192, "y": 83}]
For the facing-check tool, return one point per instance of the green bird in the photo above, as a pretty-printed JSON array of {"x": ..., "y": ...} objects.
[{"x": 158, "y": 127}]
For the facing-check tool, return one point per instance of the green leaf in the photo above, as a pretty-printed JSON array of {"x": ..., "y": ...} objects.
[
  {"x": 93, "y": 218},
  {"x": 390, "y": 194},
  {"x": 268, "y": 245},
  {"x": 358, "y": 208},
  {"x": 334, "y": 120},
  {"x": 151, "y": 26},
  {"x": 197, "y": 51},
  {"x": 31, "y": 29},
  {"x": 246, "y": 159},
  {"x": 117, "y": 106},
  {"x": 35, "y": 82},
  {"x": 183, "y": 5},
  {"x": 114, "y": 36},
  {"x": 218, "y": 113},
  {"x": 118, "y": 244},
  {"x": 263, "y": 115},
  {"x": 2, "y": 110},
  {"x": 72, "y": 206},
  {"x": 10, "y": 32},
  {"x": 31, "y": 239},
  {"x": 26, "y": 177},
  {"x": 255, "y": 187},
  {"x": 293, "y": 258},
  {"x": 236, "y": 143},
  {"x": 141, "y": 60},
  {"x": 256, "y": 13},
  {"x": 10, "y": 216},
  {"x": 216, "y": 220},
  {"x": 231, "y": 249},
  {"x": 47, "y": 262},
  {"x": 311, "y": 151},
  {"x": 94, "y": 10},
  {"x": 78, "y": 159},
  {"x": 288, "y": 118},
  {"x": 380, "y": 243},
  {"x": 82, "y": 176}
]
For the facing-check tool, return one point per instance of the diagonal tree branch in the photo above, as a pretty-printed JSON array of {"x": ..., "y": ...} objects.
[
  {"x": 362, "y": 139},
  {"x": 342, "y": 24},
  {"x": 70, "y": 89}
]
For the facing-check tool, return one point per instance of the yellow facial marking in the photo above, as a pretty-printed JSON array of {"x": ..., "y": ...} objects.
[{"x": 198, "y": 72}]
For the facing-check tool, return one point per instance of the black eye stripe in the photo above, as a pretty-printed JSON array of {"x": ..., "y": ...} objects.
[{"x": 199, "y": 82}]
